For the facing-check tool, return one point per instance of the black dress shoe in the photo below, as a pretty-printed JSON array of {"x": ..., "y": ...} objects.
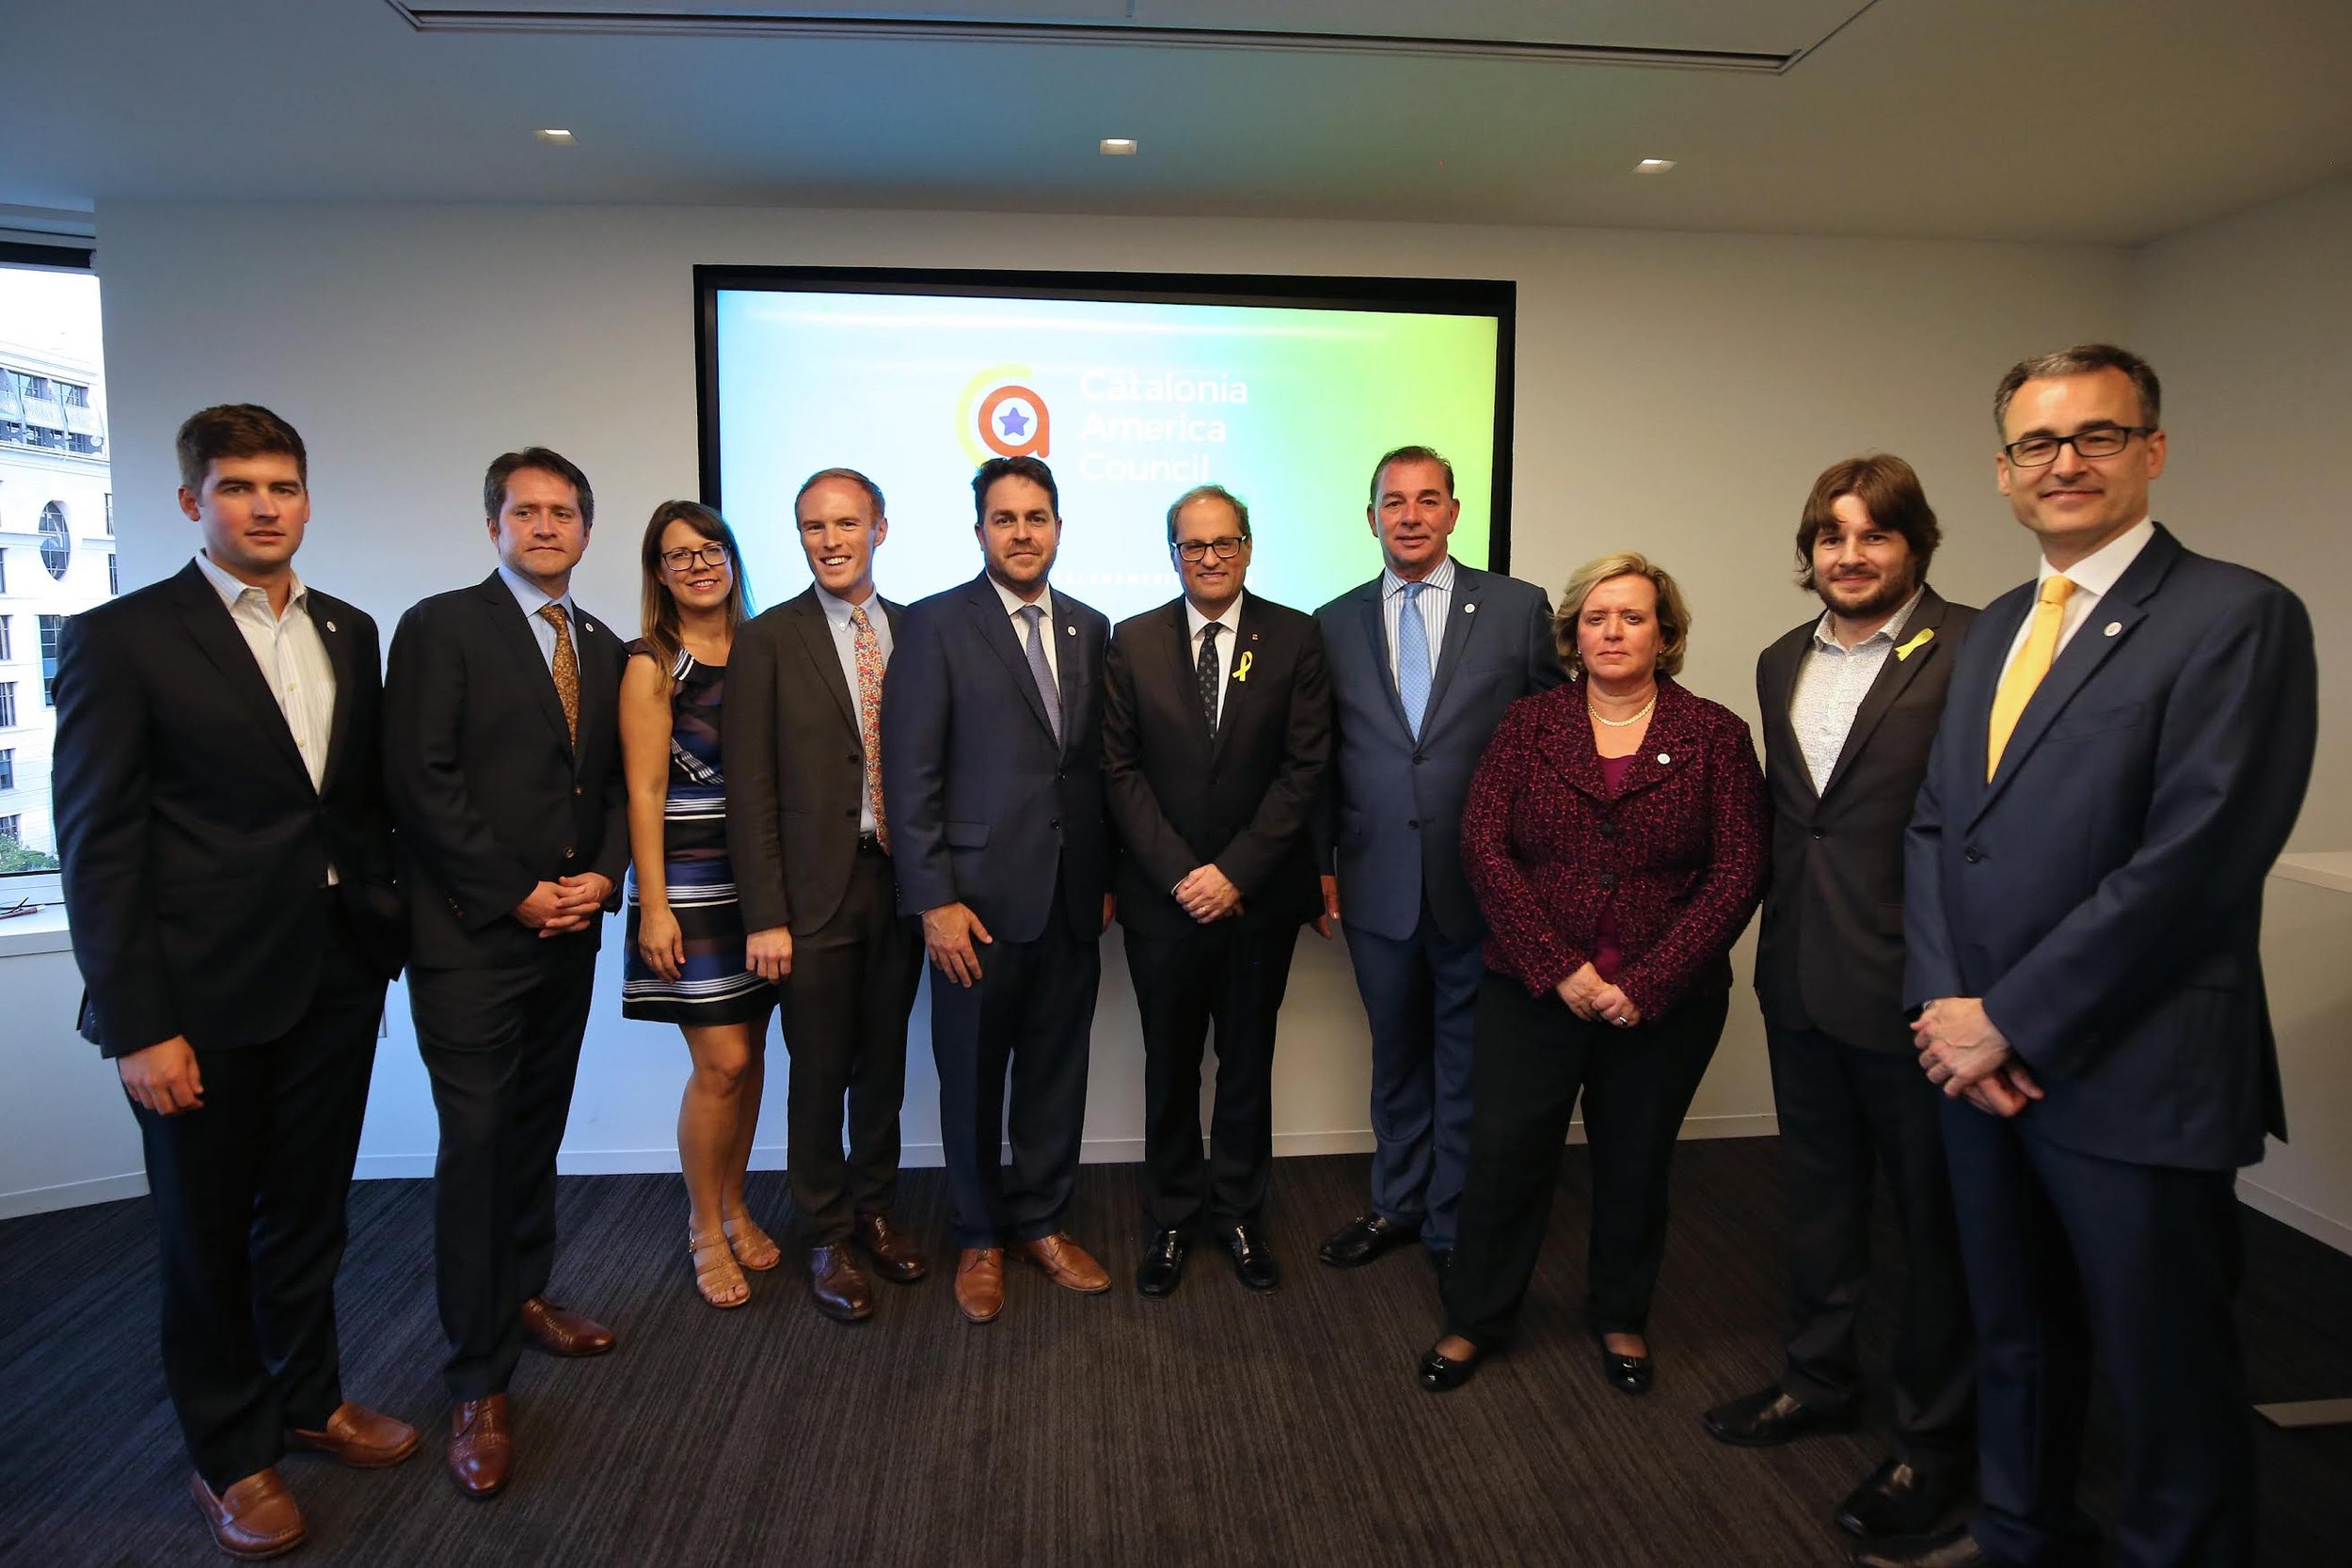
[
  {"x": 1768, "y": 1418},
  {"x": 1954, "y": 1548},
  {"x": 1163, "y": 1263},
  {"x": 1443, "y": 1374},
  {"x": 1365, "y": 1238},
  {"x": 1253, "y": 1261},
  {"x": 1627, "y": 1374},
  {"x": 1898, "y": 1499}
]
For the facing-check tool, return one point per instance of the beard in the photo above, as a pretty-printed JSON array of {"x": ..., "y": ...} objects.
[{"x": 1880, "y": 598}]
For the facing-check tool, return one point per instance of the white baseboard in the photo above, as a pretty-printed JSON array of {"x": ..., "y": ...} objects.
[
  {"x": 73, "y": 1194},
  {"x": 2312, "y": 1223}
]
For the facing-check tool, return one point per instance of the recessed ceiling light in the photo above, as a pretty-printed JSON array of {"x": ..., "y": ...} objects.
[
  {"x": 556, "y": 135},
  {"x": 1653, "y": 166},
  {"x": 1118, "y": 147}
]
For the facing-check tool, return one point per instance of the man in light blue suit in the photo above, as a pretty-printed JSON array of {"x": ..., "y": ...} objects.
[{"x": 1424, "y": 660}]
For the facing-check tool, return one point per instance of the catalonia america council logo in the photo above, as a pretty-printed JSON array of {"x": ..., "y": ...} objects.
[{"x": 1000, "y": 415}]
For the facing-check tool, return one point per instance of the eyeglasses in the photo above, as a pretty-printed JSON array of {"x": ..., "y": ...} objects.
[
  {"x": 1197, "y": 551},
  {"x": 712, "y": 554},
  {"x": 2039, "y": 452}
]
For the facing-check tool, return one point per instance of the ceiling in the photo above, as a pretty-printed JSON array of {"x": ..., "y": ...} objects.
[{"x": 2109, "y": 121}]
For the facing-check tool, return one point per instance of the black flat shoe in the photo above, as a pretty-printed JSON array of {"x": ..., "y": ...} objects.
[
  {"x": 1769, "y": 1417},
  {"x": 1443, "y": 1374},
  {"x": 1253, "y": 1261},
  {"x": 1163, "y": 1263},
  {"x": 1364, "y": 1238},
  {"x": 1897, "y": 1499},
  {"x": 1627, "y": 1374}
]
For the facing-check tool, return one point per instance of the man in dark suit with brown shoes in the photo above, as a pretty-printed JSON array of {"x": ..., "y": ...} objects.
[
  {"x": 1850, "y": 701},
  {"x": 810, "y": 844},
  {"x": 1215, "y": 728},
  {"x": 228, "y": 867},
  {"x": 502, "y": 755}
]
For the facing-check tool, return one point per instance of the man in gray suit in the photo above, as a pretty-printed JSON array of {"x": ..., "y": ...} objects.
[{"x": 1424, "y": 660}]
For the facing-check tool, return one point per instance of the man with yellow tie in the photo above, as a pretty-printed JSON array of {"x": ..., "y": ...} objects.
[{"x": 2121, "y": 759}]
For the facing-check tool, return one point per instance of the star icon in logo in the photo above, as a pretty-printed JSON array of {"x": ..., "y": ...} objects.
[{"x": 1013, "y": 422}]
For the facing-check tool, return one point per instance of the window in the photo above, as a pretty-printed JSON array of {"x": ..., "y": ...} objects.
[
  {"x": 5, "y": 654},
  {"x": 50, "y": 626},
  {"x": 7, "y": 703},
  {"x": 7, "y": 767},
  {"x": 73, "y": 396},
  {"x": 114, "y": 573},
  {"x": 56, "y": 544},
  {"x": 109, "y": 523},
  {"x": 10, "y": 827}
]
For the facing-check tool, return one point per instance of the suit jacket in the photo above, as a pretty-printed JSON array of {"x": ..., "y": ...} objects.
[
  {"x": 2103, "y": 893},
  {"x": 491, "y": 796},
  {"x": 984, "y": 807},
  {"x": 1395, "y": 803},
  {"x": 193, "y": 842},
  {"x": 1675, "y": 852},
  {"x": 1243, "y": 798},
  {"x": 795, "y": 765},
  {"x": 1830, "y": 955}
]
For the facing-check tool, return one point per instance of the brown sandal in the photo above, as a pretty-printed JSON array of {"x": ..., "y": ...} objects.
[
  {"x": 715, "y": 1275},
  {"x": 753, "y": 1248}
]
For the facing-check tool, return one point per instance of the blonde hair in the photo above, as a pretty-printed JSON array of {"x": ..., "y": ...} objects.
[{"x": 1673, "y": 616}]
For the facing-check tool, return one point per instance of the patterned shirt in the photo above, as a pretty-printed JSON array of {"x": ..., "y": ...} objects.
[{"x": 1831, "y": 684}]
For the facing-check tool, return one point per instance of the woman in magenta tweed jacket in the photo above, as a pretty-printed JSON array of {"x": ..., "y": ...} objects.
[{"x": 1615, "y": 836}]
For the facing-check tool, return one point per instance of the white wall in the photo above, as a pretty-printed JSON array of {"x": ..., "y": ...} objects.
[{"x": 1675, "y": 391}]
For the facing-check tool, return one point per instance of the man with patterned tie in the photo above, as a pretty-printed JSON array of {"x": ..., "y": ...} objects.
[
  {"x": 1216, "y": 727},
  {"x": 1424, "y": 660},
  {"x": 810, "y": 843},
  {"x": 992, "y": 757},
  {"x": 2122, "y": 756},
  {"x": 503, "y": 764}
]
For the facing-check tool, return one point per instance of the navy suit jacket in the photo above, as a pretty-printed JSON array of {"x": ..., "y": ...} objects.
[
  {"x": 2103, "y": 891},
  {"x": 984, "y": 808},
  {"x": 1394, "y": 827}
]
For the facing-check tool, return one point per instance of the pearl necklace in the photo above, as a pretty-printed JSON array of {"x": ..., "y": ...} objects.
[{"x": 1599, "y": 718}]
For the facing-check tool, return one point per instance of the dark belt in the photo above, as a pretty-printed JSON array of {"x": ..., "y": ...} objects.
[{"x": 871, "y": 843}]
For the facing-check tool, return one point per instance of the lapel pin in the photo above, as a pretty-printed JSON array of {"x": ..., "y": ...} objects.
[
  {"x": 1469, "y": 610},
  {"x": 331, "y": 626},
  {"x": 1072, "y": 630},
  {"x": 1241, "y": 670},
  {"x": 1663, "y": 759},
  {"x": 2115, "y": 628},
  {"x": 1927, "y": 635}
]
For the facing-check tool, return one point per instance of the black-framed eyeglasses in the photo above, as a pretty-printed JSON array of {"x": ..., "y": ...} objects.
[
  {"x": 2039, "y": 452},
  {"x": 1197, "y": 551},
  {"x": 712, "y": 554}
]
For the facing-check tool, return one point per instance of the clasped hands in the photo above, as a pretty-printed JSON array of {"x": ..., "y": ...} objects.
[
  {"x": 565, "y": 905},
  {"x": 1592, "y": 998},
  {"x": 1208, "y": 894},
  {"x": 1961, "y": 1050}
]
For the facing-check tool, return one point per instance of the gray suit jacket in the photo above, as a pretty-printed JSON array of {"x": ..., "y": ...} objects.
[{"x": 1394, "y": 827}]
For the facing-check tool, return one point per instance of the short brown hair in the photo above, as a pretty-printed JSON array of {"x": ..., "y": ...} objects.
[
  {"x": 873, "y": 491},
  {"x": 2082, "y": 360},
  {"x": 1032, "y": 468},
  {"x": 236, "y": 430},
  {"x": 657, "y": 607},
  {"x": 545, "y": 461},
  {"x": 1674, "y": 616},
  {"x": 1888, "y": 489},
  {"x": 1409, "y": 454}
]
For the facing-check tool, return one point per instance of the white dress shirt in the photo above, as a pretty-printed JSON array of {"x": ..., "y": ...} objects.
[
  {"x": 533, "y": 600},
  {"x": 1046, "y": 632},
  {"x": 1433, "y": 604},
  {"x": 1230, "y": 621},
  {"x": 292, "y": 660},
  {"x": 1831, "y": 684},
  {"x": 845, "y": 649},
  {"x": 2094, "y": 576}
]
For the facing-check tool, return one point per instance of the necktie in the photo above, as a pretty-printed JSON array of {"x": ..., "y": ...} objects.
[
  {"x": 1412, "y": 659},
  {"x": 1205, "y": 671},
  {"x": 567, "y": 669},
  {"x": 2025, "y": 672},
  {"x": 1035, "y": 615},
  {"x": 868, "y": 648}
]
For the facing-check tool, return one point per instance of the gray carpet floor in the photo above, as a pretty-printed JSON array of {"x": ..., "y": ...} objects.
[{"x": 1216, "y": 1426}]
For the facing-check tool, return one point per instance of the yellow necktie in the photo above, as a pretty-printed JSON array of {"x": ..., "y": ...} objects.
[{"x": 2026, "y": 672}]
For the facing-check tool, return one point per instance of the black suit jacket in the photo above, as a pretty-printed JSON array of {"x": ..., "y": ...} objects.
[
  {"x": 193, "y": 841},
  {"x": 491, "y": 796},
  {"x": 1830, "y": 955},
  {"x": 795, "y": 765},
  {"x": 1244, "y": 799},
  {"x": 984, "y": 807}
]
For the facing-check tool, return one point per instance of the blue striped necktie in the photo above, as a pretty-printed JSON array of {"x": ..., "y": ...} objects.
[{"x": 1412, "y": 659}]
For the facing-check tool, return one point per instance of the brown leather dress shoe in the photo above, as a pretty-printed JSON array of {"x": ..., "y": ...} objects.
[
  {"x": 895, "y": 1257},
  {"x": 255, "y": 1518},
  {"x": 481, "y": 1446},
  {"x": 838, "y": 1285},
  {"x": 561, "y": 1331},
  {"x": 1066, "y": 1263},
  {"x": 362, "y": 1438},
  {"x": 980, "y": 1282}
]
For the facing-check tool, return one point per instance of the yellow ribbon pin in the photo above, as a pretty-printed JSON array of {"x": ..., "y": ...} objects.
[
  {"x": 1927, "y": 635},
  {"x": 1241, "y": 670}
]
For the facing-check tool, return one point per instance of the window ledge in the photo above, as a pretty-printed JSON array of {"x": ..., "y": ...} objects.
[{"x": 42, "y": 931}]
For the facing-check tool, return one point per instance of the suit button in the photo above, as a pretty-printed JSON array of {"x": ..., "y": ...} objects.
[
  {"x": 568, "y": 851},
  {"x": 1607, "y": 879},
  {"x": 856, "y": 758},
  {"x": 1418, "y": 758},
  {"x": 1054, "y": 823},
  {"x": 1608, "y": 830},
  {"x": 575, "y": 790},
  {"x": 1414, "y": 824},
  {"x": 1972, "y": 854},
  {"x": 851, "y": 812},
  {"x": 1818, "y": 834}
]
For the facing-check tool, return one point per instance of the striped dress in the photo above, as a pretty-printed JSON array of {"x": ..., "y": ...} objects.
[{"x": 714, "y": 986}]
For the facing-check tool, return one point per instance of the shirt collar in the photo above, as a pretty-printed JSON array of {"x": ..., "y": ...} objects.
[
  {"x": 532, "y": 598},
  {"x": 838, "y": 610},
  {"x": 1441, "y": 578},
  {"x": 231, "y": 590},
  {"x": 1825, "y": 637},
  {"x": 1231, "y": 620},
  {"x": 1014, "y": 607},
  {"x": 2098, "y": 572}
]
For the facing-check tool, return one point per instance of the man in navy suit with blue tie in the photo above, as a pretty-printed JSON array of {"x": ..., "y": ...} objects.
[
  {"x": 993, "y": 779},
  {"x": 2122, "y": 753},
  {"x": 1424, "y": 660}
]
